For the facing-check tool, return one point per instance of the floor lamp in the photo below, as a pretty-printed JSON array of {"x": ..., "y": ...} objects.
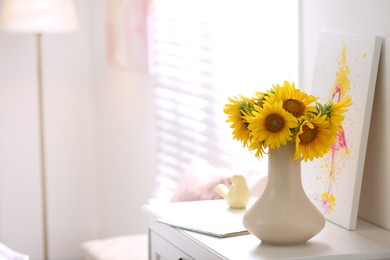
[{"x": 38, "y": 17}]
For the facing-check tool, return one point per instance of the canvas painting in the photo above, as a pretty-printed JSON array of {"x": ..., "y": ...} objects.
[
  {"x": 127, "y": 27},
  {"x": 345, "y": 65}
]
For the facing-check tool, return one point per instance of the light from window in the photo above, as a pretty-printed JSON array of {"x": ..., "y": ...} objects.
[{"x": 203, "y": 52}]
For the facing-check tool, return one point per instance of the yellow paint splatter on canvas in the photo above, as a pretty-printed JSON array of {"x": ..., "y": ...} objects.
[{"x": 339, "y": 151}]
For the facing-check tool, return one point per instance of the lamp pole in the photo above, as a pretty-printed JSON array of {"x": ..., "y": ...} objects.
[{"x": 42, "y": 146}]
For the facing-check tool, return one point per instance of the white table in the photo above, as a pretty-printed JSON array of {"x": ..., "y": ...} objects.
[{"x": 333, "y": 242}]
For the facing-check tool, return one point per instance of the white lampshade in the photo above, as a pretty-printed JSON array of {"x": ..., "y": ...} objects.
[{"x": 38, "y": 16}]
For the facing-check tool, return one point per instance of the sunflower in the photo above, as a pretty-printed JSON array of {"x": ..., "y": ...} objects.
[
  {"x": 285, "y": 114},
  {"x": 313, "y": 139},
  {"x": 259, "y": 98},
  {"x": 238, "y": 109},
  {"x": 258, "y": 147},
  {"x": 295, "y": 101},
  {"x": 270, "y": 125},
  {"x": 336, "y": 116}
]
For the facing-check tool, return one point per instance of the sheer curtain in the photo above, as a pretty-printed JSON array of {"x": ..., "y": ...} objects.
[{"x": 202, "y": 53}]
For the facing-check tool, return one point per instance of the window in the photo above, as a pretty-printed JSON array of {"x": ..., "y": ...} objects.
[{"x": 203, "y": 52}]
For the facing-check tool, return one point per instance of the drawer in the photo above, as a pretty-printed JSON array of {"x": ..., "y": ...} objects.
[{"x": 161, "y": 249}]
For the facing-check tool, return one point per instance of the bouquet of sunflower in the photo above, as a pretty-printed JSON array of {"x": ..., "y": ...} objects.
[{"x": 285, "y": 114}]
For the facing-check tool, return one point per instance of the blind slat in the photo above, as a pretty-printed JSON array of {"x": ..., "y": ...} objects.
[{"x": 201, "y": 51}]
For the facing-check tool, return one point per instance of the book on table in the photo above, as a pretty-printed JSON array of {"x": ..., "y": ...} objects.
[{"x": 219, "y": 229}]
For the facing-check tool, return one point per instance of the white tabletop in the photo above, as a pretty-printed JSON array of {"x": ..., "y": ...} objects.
[{"x": 333, "y": 242}]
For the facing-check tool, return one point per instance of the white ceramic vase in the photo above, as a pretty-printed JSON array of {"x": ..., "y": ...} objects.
[{"x": 283, "y": 215}]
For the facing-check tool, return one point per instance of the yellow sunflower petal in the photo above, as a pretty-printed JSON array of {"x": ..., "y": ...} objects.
[
  {"x": 294, "y": 101},
  {"x": 312, "y": 140},
  {"x": 271, "y": 125},
  {"x": 236, "y": 116},
  {"x": 338, "y": 110}
]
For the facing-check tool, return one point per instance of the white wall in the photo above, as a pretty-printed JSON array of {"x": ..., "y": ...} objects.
[
  {"x": 99, "y": 140},
  {"x": 126, "y": 157},
  {"x": 70, "y": 101},
  {"x": 125, "y": 138},
  {"x": 19, "y": 174},
  {"x": 364, "y": 17}
]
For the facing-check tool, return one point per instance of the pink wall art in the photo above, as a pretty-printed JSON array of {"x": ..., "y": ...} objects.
[{"x": 127, "y": 30}]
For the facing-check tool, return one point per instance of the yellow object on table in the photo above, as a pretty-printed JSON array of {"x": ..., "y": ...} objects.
[{"x": 237, "y": 195}]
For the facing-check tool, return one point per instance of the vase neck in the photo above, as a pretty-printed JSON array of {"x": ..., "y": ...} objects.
[{"x": 283, "y": 170}]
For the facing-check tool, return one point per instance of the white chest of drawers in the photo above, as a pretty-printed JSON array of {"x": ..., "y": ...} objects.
[{"x": 334, "y": 242}]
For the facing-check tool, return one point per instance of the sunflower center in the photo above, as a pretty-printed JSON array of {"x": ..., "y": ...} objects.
[
  {"x": 275, "y": 123},
  {"x": 308, "y": 134},
  {"x": 295, "y": 107}
]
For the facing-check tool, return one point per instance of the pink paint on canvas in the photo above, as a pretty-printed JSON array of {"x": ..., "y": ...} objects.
[{"x": 338, "y": 92}]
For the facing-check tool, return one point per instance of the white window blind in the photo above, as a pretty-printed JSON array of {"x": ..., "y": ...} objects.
[{"x": 203, "y": 52}]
